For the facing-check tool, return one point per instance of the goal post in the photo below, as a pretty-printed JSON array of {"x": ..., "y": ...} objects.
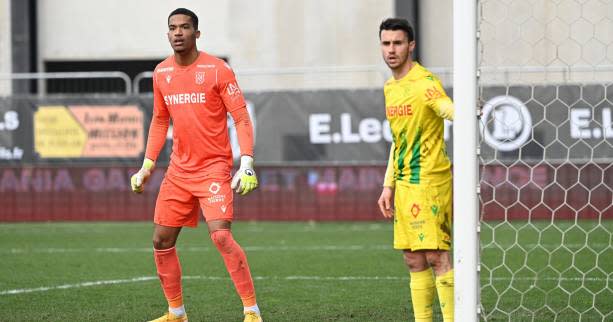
[{"x": 465, "y": 167}]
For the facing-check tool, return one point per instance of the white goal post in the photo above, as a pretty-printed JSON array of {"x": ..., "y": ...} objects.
[{"x": 465, "y": 167}]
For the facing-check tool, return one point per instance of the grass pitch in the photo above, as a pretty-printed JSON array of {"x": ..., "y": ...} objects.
[{"x": 302, "y": 272}]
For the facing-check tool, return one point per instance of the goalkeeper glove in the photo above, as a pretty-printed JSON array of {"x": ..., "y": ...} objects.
[
  {"x": 137, "y": 181},
  {"x": 245, "y": 180}
]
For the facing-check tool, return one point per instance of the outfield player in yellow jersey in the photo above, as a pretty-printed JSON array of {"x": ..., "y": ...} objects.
[{"x": 418, "y": 174}]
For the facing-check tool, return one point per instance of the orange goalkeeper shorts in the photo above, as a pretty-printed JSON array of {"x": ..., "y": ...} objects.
[{"x": 180, "y": 200}]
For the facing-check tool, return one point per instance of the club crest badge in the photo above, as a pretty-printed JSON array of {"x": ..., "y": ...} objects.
[
  {"x": 214, "y": 188},
  {"x": 199, "y": 78},
  {"x": 415, "y": 209}
]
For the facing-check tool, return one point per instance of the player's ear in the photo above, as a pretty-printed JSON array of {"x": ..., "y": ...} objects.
[
  {"x": 197, "y": 34},
  {"x": 411, "y": 47}
]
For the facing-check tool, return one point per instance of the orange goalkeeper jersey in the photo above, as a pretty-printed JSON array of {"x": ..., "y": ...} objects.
[{"x": 197, "y": 98}]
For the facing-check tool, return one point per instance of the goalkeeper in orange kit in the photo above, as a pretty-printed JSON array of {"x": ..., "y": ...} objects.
[
  {"x": 419, "y": 171},
  {"x": 196, "y": 91}
]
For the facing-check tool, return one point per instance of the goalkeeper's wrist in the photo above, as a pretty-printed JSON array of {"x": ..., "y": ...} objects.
[
  {"x": 148, "y": 164},
  {"x": 246, "y": 162}
]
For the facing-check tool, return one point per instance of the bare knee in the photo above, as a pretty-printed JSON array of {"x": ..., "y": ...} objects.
[
  {"x": 439, "y": 260},
  {"x": 165, "y": 237},
  {"x": 415, "y": 261},
  {"x": 163, "y": 243}
]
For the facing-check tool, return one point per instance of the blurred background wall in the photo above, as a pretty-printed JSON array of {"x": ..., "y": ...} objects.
[{"x": 254, "y": 36}]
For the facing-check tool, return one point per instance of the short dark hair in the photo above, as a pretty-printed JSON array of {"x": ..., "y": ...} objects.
[
  {"x": 397, "y": 24},
  {"x": 187, "y": 12}
]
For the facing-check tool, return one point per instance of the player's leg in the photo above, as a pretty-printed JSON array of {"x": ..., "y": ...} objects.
[
  {"x": 175, "y": 208},
  {"x": 236, "y": 263},
  {"x": 216, "y": 202},
  {"x": 422, "y": 284},
  {"x": 441, "y": 263},
  {"x": 168, "y": 266},
  {"x": 440, "y": 258},
  {"x": 408, "y": 222}
]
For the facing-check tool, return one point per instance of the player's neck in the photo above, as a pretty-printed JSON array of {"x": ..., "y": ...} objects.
[
  {"x": 187, "y": 58},
  {"x": 403, "y": 70}
]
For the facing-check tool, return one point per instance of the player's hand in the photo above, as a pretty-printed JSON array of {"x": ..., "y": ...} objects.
[
  {"x": 385, "y": 202},
  {"x": 245, "y": 180},
  {"x": 138, "y": 180}
]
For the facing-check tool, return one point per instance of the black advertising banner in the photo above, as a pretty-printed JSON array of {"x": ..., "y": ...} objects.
[
  {"x": 15, "y": 131},
  {"x": 321, "y": 126},
  {"x": 553, "y": 123},
  {"x": 72, "y": 130},
  {"x": 528, "y": 123}
]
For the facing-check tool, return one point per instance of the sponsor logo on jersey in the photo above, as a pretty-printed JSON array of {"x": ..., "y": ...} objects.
[
  {"x": 199, "y": 78},
  {"x": 223, "y": 209},
  {"x": 168, "y": 78},
  {"x": 233, "y": 89},
  {"x": 165, "y": 70},
  {"x": 400, "y": 110},
  {"x": 185, "y": 98},
  {"x": 433, "y": 93},
  {"x": 205, "y": 66}
]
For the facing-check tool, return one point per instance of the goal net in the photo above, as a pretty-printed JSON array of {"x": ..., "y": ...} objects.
[{"x": 545, "y": 88}]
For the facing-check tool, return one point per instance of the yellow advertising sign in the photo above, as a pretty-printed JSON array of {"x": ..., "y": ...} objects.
[
  {"x": 57, "y": 134},
  {"x": 107, "y": 131}
]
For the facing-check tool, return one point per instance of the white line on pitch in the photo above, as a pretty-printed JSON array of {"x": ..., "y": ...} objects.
[
  {"x": 273, "y": 248},
  {"x": 195, "y": 249},
  {"x": 84, "y": 284},
  {"x": 285, "y": 278}
]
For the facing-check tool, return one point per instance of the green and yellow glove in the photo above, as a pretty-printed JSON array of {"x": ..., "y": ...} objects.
[
  {"x": 245, "y": 180},
  {"x": 138, "y": 180}
]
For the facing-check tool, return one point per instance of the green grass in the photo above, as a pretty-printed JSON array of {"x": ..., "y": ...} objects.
[{"x": 303, "y": 272}]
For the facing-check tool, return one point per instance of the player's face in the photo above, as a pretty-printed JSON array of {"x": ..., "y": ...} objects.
[
  {"x": 396, "y": 48},
  {"x": 181, "y": 33}
]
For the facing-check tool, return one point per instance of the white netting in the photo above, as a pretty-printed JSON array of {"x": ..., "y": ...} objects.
[{"x": 546, "y": 89}]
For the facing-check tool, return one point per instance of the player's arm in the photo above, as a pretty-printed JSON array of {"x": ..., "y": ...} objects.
[
  {"x": 437, "y": 99},
  {"x": 155, "y": 141},
  {"x": 245, "y": 179},
  {"x": 389, "y": 182}
]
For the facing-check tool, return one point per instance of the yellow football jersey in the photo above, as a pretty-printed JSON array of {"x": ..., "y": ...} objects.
[{"x": 415, "y": 107}]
